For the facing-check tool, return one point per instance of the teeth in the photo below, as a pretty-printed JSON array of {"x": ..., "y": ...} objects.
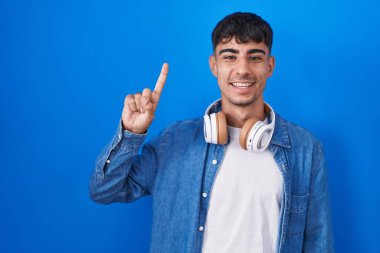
[{"x": 241, "y": 85}]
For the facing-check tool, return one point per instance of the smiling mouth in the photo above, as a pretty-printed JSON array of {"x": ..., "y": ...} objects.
[{"x": 242, "y": 85}]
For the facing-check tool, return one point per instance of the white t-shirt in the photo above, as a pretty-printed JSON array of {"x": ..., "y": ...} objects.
[{"x": 245, "y": 202}]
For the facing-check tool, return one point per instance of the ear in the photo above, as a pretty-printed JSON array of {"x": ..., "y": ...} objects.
[
  {"x": 212, "y": 63},
  {"x": 271, "y": 66}
]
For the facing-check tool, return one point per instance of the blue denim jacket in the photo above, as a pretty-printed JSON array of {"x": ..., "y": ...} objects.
[{"x": 178, "y": 166}]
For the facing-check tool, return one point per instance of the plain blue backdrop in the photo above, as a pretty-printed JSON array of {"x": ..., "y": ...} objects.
[{"x": 66, "y": 66}]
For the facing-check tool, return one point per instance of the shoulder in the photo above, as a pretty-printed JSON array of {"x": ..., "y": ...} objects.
[
  {"x": 185, "y": 124},
  {"x": 305, "y": 152},
  {"x": 299, "y": 137},
  {"x": 184, "y": 128}
]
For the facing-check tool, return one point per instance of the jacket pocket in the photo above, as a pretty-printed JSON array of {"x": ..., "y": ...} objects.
[{"x": 297, "y": 220}]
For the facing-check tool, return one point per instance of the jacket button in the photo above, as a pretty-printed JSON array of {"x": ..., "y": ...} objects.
[
  {"x": 201, "y": 228},
  {"x": 204, "y": 195},
  {"x": 108, "y": 161},
  {"x": 214, "y": 161}
]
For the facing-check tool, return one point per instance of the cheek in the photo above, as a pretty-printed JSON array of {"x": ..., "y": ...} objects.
[
  {"x": 221, "y": 81},
  {"x": 223, "y": 71},
  {"x": 263, "y": 71}
]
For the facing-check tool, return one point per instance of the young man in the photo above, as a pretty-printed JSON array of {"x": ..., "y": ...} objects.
[{"x": 257, "y": 184}]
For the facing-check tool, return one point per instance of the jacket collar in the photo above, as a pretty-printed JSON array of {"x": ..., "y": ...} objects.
[{"x": 280, "y": 136}]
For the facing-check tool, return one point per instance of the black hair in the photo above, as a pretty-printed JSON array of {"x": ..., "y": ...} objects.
[{"x": 244, "y": 27}]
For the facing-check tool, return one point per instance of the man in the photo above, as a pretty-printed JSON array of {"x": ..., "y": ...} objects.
[{"x": 216, "y": 196}]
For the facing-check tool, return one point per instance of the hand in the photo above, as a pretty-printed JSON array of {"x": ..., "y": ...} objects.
[{"x": 139, "y": 109}]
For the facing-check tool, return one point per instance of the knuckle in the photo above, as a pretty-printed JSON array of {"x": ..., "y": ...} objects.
[
  {"x": 128, "y": 99},
  {"x": 149, "y": 107},
  {"x": 145, "y": 100},
  {"x": 147, "y": 93}
]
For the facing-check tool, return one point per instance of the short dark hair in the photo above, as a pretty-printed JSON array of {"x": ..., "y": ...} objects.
[{"x": 244, "y": 27}]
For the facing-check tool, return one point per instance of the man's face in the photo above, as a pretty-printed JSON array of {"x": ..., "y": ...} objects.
[{"x": 242, "y": 70}]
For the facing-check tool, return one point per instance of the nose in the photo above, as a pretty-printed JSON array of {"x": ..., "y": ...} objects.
[{"x": 242, "y": 67}]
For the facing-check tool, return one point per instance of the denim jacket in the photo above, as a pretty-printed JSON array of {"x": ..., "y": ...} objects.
[{"x": 178, "y": 166}]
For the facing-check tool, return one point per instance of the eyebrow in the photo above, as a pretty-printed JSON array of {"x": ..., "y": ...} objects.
[
  {"x": 228, "y": 50},
  {"x": 252, "y": 51},
  {"x": 234, "y": 51}
]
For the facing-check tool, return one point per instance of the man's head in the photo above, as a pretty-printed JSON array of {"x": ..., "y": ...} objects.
[
  {"x": 242, "y": 61},
  {"x": 244, "y": 27}
]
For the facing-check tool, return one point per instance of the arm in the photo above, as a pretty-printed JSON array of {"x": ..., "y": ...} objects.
[
  {"x": 120, "y": 174},
  {"x": 318, "y": 233}
]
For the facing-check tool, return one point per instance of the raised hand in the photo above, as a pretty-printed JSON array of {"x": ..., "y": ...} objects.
[{"x": 139, "y": 109}]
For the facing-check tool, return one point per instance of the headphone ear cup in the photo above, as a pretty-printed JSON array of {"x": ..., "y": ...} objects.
[
  {"x": 214, "y": 128},
  {"x": 245, "y": 132},
  {"x": 222, "y": 128},
  {"x": 207, "y": 128},
  {"x": 261, "y": 139}
]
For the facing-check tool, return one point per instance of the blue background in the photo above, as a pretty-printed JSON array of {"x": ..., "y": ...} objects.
[{"x": 66, "y": 67}]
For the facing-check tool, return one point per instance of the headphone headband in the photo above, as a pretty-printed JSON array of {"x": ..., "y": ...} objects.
[
  {"x": 267, "y": 109},
  {"x": 272, "y": 116},
  {"x": 213, "y": 104},
  {"x": 255, "y": 134}
]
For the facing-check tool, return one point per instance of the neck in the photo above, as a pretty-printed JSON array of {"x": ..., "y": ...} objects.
[{"x": 237, "y": 115}]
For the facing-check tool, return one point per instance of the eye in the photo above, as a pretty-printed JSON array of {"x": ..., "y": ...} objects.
[
  {"x": 255, "y": 58},
  {"x": 229, "y": 57}
]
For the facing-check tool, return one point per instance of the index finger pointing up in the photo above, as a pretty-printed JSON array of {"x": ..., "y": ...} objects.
[{"x": 161, "y": 79}]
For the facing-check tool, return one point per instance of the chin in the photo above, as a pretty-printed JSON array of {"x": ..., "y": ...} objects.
[{"x": 242, "y": 101}]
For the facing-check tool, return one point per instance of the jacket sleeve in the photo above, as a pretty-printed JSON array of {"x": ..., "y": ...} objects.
[
  {"x": 121, "y": 174},
  {"x": 318, "y": 231}
]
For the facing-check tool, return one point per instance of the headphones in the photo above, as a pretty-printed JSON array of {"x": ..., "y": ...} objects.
[{"x": 255, "y": 135}]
